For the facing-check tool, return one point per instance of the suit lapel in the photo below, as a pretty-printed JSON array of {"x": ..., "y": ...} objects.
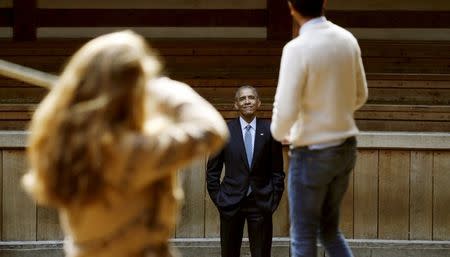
[{"x": 259, "y": 139}]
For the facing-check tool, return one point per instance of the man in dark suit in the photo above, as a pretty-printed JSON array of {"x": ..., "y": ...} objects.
[{"x": 254, "y": 179}]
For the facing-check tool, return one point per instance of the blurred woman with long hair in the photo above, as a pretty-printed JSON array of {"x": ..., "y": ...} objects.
[{"x": 106, "y": 142}]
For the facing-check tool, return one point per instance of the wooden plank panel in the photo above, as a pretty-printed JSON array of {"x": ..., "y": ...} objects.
[
  {"x": 410, "y": 77},
  {"x": 384, "y": 96},
  {"x": 22, "y": 95},
  {"x": 421, "y": 195},
  {"x": 281, "y": 216},
  {"x": 230, "y": 82},
  {"x": 19, "y": 211},
  {"x": 212, "y": 216},
  {"x": 407, "y": 84},
  {"x": 13, "y": 125},
  {"x": 152, "y": 17},
  {"x": 227, "y": 94},
  {"x": 367, "y": 121},
  {"x": 279, "y": 20},
  {"x": 410, "y": 96},
  {"x": 397, "y": 49},
  {"x": 169, "y": 17},
  {"x": 406, "y": 116},
  {"x": 373, "y": 82},
  {"x": 390, "y": 19},
  {"x": 404, "y": 48},
  {"x": 366, "y": 195},
  {"x": 395, "y": 125},
  {"x": 51, "y": 64},
  {"x": 441, "y": 196},
  {"x": 393, "y": 212},
  {"x": 6, "y": 17},
  {"x": 15, "y": 115},
  {"x": 347, "y": 210},
  {"x": 48, "y": 224},
  {"x": 406, "y": 65},
  {"x": 172, "y": 47},
  {"x": 230, "y": 60},
  {"x": 24, "y": 20},
  {"x": 191, "y": 222}
]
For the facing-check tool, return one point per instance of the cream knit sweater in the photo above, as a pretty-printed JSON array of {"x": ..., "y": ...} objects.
[{"x": 321, "y": 83}]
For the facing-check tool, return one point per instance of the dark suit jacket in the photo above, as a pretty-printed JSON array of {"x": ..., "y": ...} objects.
[{"x": 265, "y": 175}]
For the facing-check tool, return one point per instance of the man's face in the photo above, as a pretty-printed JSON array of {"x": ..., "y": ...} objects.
[{"x": 247, "y": 103}]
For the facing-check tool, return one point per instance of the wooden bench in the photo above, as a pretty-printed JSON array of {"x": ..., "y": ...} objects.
[
  {"x": 428, "y": 89},
  {"x": 398, "y": 101},
  {"x": 229, "y": 57},
  {"x": 371, "y": 117}
]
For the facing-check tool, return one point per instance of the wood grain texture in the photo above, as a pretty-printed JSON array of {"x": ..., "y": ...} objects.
[
  {"x": 441, "y": 196},
  {"x": 347, "y": 209},
  {"x": 212, "y": 216},
  {"x": 366, "y": 195},
  {"x": 281, "y": 216},
  {"x": 393, "y": 212},
  {"x": 19, "y": 211},
  {"x": 421, "y": 195},
  {"x": 191, "y": 222},
  {"x": 48, "y": 224},
  {"x": 410, "y": 188}
]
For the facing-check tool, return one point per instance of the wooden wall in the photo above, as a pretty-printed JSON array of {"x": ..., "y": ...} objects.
[
  {"x": 380, "y": 19},
  {"x": 395, "y": 193}
]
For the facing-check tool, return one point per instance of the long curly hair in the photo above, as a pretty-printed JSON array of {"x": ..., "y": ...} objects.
[{"x": 99, "y": 96}]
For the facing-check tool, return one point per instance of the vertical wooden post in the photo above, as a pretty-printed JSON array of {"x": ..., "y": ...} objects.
[
  {"x": 24, "y": 20},
  {"x": 279, "y": 21}
]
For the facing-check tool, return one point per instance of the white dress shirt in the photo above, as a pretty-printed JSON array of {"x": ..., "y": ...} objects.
[{"x": 252, "y": 130}]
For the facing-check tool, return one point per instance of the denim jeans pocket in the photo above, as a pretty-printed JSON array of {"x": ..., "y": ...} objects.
[
  {"x": 319, "y": 167},
  {"x": 318, "y": 170}
]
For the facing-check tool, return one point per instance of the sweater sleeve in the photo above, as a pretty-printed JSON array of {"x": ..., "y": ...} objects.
[
  {"x": 291, "y": 81},
  {"x": 361, "y": 82}
]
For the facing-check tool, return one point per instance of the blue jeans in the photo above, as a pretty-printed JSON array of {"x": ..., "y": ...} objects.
[{"x": 317, "y": 183}]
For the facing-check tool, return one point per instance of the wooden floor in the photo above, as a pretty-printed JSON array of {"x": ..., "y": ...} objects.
[{"x": 280, "y": 248}]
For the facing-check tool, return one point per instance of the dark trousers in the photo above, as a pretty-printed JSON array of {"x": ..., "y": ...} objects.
[{"x": 259, "y": 230}]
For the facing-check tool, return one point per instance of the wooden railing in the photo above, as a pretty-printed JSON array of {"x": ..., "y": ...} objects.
[{"x": 398, "y": 190}]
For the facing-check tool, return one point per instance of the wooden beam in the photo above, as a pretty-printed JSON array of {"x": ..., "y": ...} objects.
[
  {"x": 390, "y": 19},
  {"x": 24, "y": 17},
  {"x": 152, "y": 17},
  {"x": 279, "y": 21},
  {"x": 24, "y": 20}
]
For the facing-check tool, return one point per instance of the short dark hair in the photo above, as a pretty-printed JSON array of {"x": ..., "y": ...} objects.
[
  {"x": 236, "y": 95},
  {"x": 308, "y": 8}
]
